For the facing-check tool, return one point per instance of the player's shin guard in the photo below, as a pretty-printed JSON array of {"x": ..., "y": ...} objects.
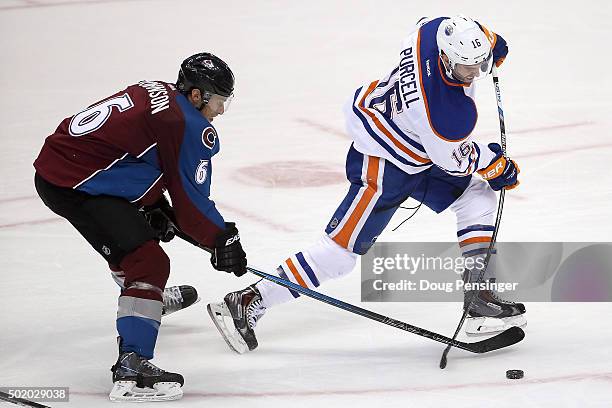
[
  {"x": 138, "y": 323},
  {"x": 323, "y": 261},
  {"x": 475, "y": 211},
  {"x": 488, "y": 313},
  {"x": 174, "y": 298},
  {"x": 140, "y": 304},
  {"x": 237, "y": 315}
]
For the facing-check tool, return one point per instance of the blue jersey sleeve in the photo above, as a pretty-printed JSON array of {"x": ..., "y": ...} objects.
[
  {"x": 186, "y": 147},
  {"x": 195, "y": 169}
]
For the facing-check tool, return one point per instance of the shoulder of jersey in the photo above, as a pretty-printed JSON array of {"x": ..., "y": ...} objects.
[
  {"x": 156, "y": 97},
  {"x": 197, "y": 126},
  {"x": 451, "y": 113}
]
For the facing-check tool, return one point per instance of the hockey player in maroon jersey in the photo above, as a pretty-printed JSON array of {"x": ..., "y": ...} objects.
[{"x": 105, "y": 170}]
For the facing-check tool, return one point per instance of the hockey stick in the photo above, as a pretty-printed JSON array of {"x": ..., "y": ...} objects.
[
  {"x": 507, "y": 338},
  {"x": 20, "y": 401},
  {"x": 500, "y": 207}
]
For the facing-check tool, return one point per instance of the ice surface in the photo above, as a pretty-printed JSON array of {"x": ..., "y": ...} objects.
[{"x": 296, "y": 63}]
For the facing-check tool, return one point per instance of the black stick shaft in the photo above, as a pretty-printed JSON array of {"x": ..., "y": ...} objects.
[
  {"x": 500, "y": 207},
  {"x": 21, "y": 401},
  {"x": 479, "y": 347},
  {"x": 360, "y": 311}
]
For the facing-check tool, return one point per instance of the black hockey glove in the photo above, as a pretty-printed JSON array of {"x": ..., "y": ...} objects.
[
  {"x": 228, "y": 254},
  {"x": 160, "y": 217}
]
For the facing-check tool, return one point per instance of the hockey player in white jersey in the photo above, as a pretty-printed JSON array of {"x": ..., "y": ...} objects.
[{"x": 411, "y": 134}]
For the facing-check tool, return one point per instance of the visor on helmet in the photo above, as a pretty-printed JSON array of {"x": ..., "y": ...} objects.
[
  {"x": 468, "y": 73},
  {"x": 219, "y": 103}
]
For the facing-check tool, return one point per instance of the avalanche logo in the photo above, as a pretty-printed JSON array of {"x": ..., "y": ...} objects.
[
  {"x": 209, "y": 137},
  {"x": 201, "y": 172}
]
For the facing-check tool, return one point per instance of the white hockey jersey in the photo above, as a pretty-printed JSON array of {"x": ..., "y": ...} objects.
[{"x": 417, "y": 116}]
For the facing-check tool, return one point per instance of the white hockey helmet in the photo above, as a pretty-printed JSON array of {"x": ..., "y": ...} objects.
[{"x": 467, "y": 47}]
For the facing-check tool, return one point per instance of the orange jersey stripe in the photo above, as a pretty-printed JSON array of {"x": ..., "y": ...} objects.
[
  {"x": 295, "y": 273},
  {"x": 344, "y": 236},
  {"x": 491, "y": 36},
  {"x": 474, "y": 240},
  {"x": 383, "y": 129}
]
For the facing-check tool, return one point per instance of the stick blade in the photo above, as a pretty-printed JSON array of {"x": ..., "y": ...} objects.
[
  {"x": 506, "y": 338},
  {"x": 443, "y": 361}
]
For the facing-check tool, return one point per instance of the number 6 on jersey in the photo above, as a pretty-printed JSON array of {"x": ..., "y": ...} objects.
[{"x": 93, "y": 118}]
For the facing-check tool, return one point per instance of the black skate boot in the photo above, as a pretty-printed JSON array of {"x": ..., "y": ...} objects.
[
  {"x": 243, "y": 309},
  {"x": 489, "y": 313},
  {"x": 137, "y": 380},
  {"x": 178, "y": 297}
]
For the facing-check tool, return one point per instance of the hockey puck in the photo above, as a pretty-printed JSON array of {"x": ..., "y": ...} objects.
[{"x": 515, "y": 374}]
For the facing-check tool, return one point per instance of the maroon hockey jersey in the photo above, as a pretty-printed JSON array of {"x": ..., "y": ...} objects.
[{"x": 136, "y": 144}]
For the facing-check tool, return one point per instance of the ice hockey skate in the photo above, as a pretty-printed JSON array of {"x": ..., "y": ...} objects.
[
  {"x": 236, "y": 317},
  {"x": 138, "y": 380},
  {"x": 489, "y": 313},
  {"x": 177, "y": 298}
]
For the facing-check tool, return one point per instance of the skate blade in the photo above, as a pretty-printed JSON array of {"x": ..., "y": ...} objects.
[
  {"x": 478, "y": 326},
  {"x": 126, "y": 391},
  {"x": 220, "y": 314}
]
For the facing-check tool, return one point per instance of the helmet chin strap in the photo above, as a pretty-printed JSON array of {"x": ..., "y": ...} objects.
[
  {"x": 449, "y": 70},
  {"x": 205, "y": 99}
]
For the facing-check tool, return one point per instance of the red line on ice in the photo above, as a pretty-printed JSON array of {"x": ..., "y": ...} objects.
[
  {"x": 544, "y": 128},
  {"x": 12, "y": 199},
  {"x": 35, "y": 222},
  {"x": 566, "y": 150},
  {"x": 32, "y": 4},
  {"x": 322, "y": 127},
  {"x": 238, "y": 211},
  {"x": 425, "y": 388},
  {"x": 325, "y": 128},
  {"x": 257, "y": 218},
  {"x": 552, "y": 127}
]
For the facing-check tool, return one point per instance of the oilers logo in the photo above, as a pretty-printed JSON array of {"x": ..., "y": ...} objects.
[
  {"x": 334, "y": 223},
  {"x": 201, "y": 172}
]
